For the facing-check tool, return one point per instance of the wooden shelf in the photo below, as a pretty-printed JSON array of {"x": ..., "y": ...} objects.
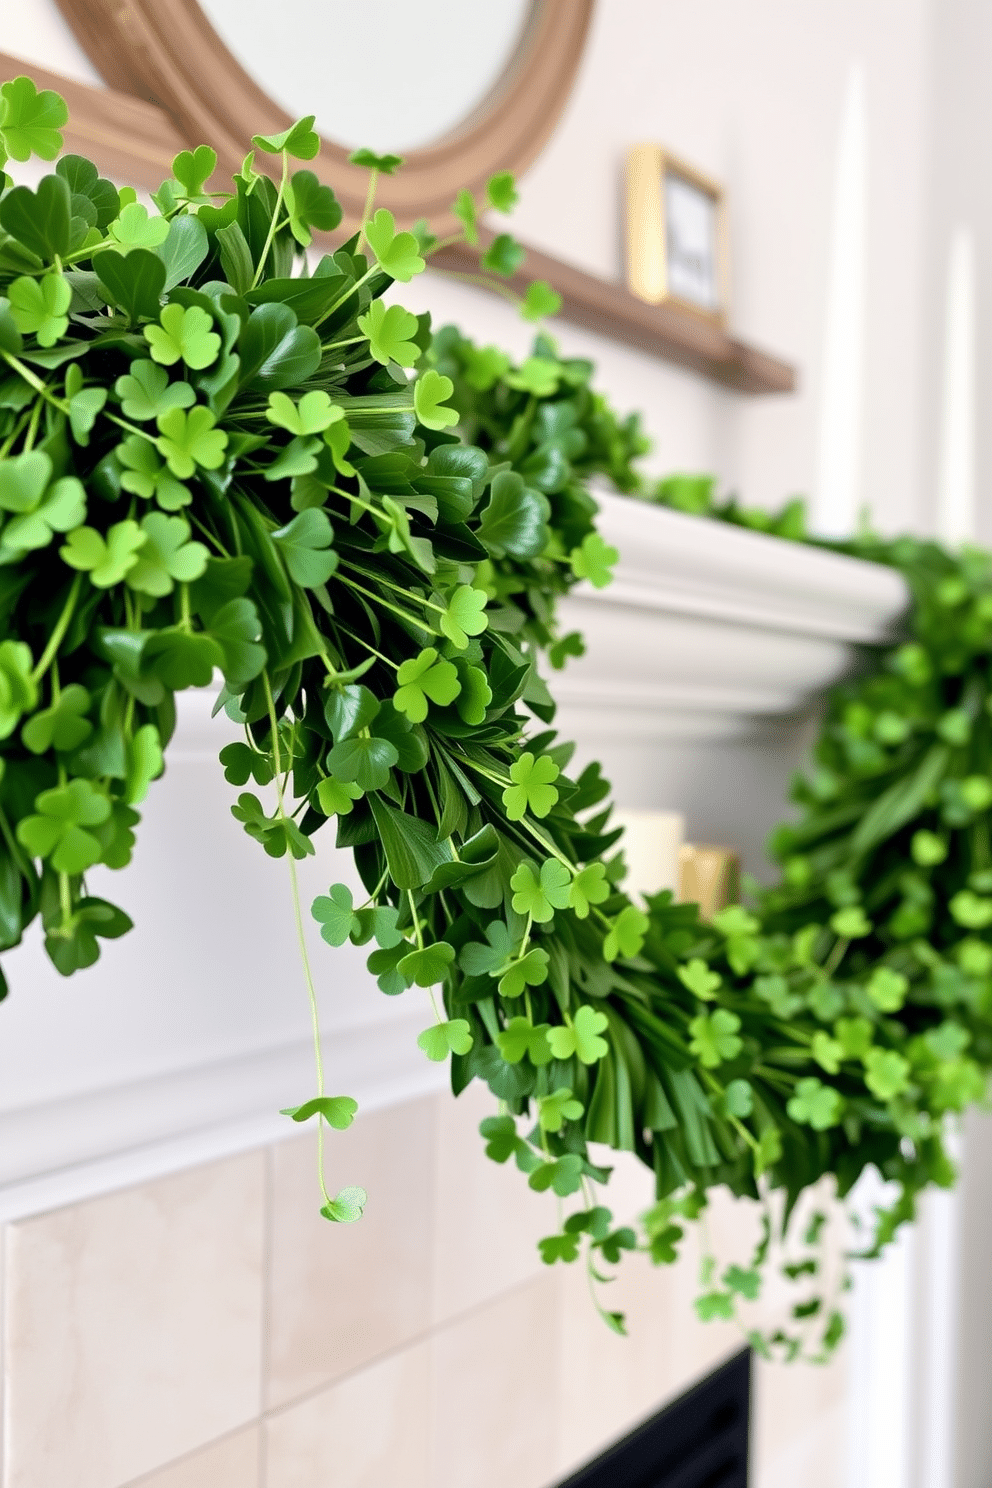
[{"x": 667, "y": 331}]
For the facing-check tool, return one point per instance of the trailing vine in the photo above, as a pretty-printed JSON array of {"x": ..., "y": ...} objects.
[{"x": 220, "y": 456}]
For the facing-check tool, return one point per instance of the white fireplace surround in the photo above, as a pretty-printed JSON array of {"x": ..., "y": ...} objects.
[{"x": 191, "y": 1032}]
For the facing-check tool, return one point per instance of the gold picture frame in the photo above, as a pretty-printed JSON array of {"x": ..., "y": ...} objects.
[{"x": 676, "y": 234}]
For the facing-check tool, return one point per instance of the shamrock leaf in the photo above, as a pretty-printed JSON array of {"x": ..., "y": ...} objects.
[
  {"x": 928, "y": 849},
  {"x": 971, "y": 910},
  {"x": 146, "y": 475},
  {"x": 947, "y": 1041},
  {"x": 335, "y": 913},
  {"x": 581, "y": 1037},
  {"x": 463, "y": 208},
  {"x": 540, "y": 300},
  {"x": 184, "y": 333},
  {"x": 390, "y": 330},
  {"x": 465, "y": 615},
  {"x": 714, "y": 1037},
  {"x": 537, "y": 375},
  {"x": 714, "y": 1305},
  {"x": 58, "y": 831},
  {"x": 564, "y": 1247},
  {"x": 312, "y": 415},
  {"x": 337, "y": 1110},
  {"x": 30, "y": 121},
  {"x": 387, "y": 164},
  {"x": 479, "y": 960},
  {"x": 699, "y": 979},
  {"x": 815, "y": 1104},
  {"x": 365, "y": 762},
  {"x": 133, "y": 228},
  {"x": 589, "y": 887},
  {"x": 564, "y": 1176},
  {"x": 485, "y": 365},
  {"x": 886, "y": 1073},
  {"x": 23, "y": 479},
  {"x": 18, "y": 692},
  {"x": 62, "y": 507},
  {"x": 475, "y": 696},
  {"x": 775, "y": 991},
  {"x": 305, "y": 545},
  {"x": 300, "y": 140},
  {"x": 531, "y": 789},
  {"x": 84, "y": 405},
  {"x": 190, "y": 439},
  {"x": 192, "y": 170},
  {"x": 854, "y": 1036},
  {"x": 594, "y": 560},
  {"x": 734, "y": 920},
  {"x": 520, "y": 1037},
  {"x": 40, "y": 307},
  {"x": 277, "y": 833},
  {"x": 347, "y": 1207},
  {"x": 627, "y": 933},
  {"x": 503, "y": 256},
  {"x": 502, "y": 1142},
  {"x": 421, "y": 678},
  {"x": 398, "y": 253},
  {"x": 337, "y": 797},
  {"x": 501, "y": 190},
  {"x": 429, "y": 393},
  {"x": 63, "y": 726},
  {"x": 429, "y": 965},
  {"x": 310, "y": 205},
  {"x": 527, "y": 971},
  {"x": 827, "y": 1052},
  {"x": 242, "y": 763},
  {"x": 739, "y": 1098},
  {"x": 540, "y": 897},
  {"x": 108, "y": 559},
  {"x": 746, "y": 1283},
  {"x": 887, "y": 989},
  {"x": 167, "y": 556},
  {"x": 555, "y": 1109},
  {"x": 440, "y": 1039},
  {"x": 850, "y": 923},
  {"x": 146, "y": 392},
  {"x": 612, "y": 1247}
]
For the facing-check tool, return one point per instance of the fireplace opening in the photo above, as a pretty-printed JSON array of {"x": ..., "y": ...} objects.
[{"x": 699, "y": 1441}]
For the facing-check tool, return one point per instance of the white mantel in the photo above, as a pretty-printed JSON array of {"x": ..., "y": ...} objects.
[{"x": 191, "y": 1032}]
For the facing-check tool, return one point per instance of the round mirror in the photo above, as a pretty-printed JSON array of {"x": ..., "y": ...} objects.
[{"x": 461, "y": 91}]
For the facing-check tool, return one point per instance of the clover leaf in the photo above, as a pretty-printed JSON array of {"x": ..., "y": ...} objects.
[
  {"x": 40, "y": 307},
  {"x": 61, "y": 508},
  {"x": 63, "y": 726},
  {"x": 277, "y": 833},
  {"x": 40, "y": 220},
  {"x": 463, "y": 208},
  {"x": 390, "y": 330},
  {"x": 429, "y": 393},
  {"x": 242, "y": 764},
  {"x": 30, "y": 120},
  {"x": 23, "y": 480},
  {"x": 476, "y": 695},
  {"x": 364, "y": 761},
  {"x": 594, "y": 560},
  {"x": 626, "y": 935},
  {"x": 555, "y": 1109},
  {"x": 464, "y": 615},
  {"x": 501, "y": 191},
  {"x": 539, "y": 897},
  {"x": 428, "y": 965},
  {"x": 699, "y": 979},
  {"x": 827, "y": 1052},
  {"x": 714, "y": 1037},
  {"x": 105, "y": 559},
  {"x": 146, "y": 475},
  {"x": 531, "y": 789},
  {"x": 337, "y": 1110},
  {"x": 144, "y": 763},
  {"x": 520, "y": 1037},
  {"x": 564, "y": 1247},
  {"x": 347, "y": 1207},
  {"x": 184, "y": 333},
  {"x": 146, "y": 392},
  {"x": 503, "y": 256},
  {"x": 776, "y": 992},
  {"x": 886, "y": 1073},
  {"x": 815, "y": 1104},
  {"x": 335, "y": 913},
  {"x": 454, "y": 1037},
  {"x": 581, "y": 1037},
  {"x": 397, "y": 252},
  {"x": 192, "y": 170},
  {"x": 421, "y": 678},
  {"x": 928, "y": 849},
  {"x": 746, "y": 1283},
  {"x": 190, "y": 439},
  {"x": 310, "y": 204},
  {"x": 971, "y": 910},
  {"x": 311, "y": 415},
  {"x": 526, "y": 971},
  {"x": 133, "y": 228},
  {"x": 387, "y": 164},
  {"x": 84, "y": 406},
  {"x": 887, "y": 989},
  {"x": 738, "y": 1098},
  {"x": 58, "y": 830},
  {"x": 537, "y": 375},
  {"x": 479, "y": 960},
  {"x": 18, "y": 691},
  {"x": 589, "y": 887},
  {"x": 540, "y": 300},
  {"x": 305, "y": 545},
  {"x": 854, "y": 1036},
  {"x": 300, "y": 140},
  {"x": 502, "y": 1142},
  {"x": 167, "y": 556},
  {"x": 337, "y": 797},
  {"x": 850, "y": 923},
  {"x": 564, "y": 1176}
]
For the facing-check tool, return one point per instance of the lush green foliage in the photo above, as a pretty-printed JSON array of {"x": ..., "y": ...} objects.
[{"x": 210, "y": 463}]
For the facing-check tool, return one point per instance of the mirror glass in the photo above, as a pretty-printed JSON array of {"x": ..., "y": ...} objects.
[{"x": 388, "y": 74}]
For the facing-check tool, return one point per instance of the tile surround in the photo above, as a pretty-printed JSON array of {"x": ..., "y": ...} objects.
[
  {"x": 341, "y": 1296},
  {"x": 133, "y": 1327},
  {"x": 234, "y": 1462}
]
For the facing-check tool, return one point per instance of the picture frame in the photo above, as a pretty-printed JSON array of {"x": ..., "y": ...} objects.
[{"x": 676, "y": 234}]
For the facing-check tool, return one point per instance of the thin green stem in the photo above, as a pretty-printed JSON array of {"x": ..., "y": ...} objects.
[
  {"x": 370, "y": 594},
  {"x": 61, "y": 626},
  {"x": 369, "y": 204},
  {"x": 275, "y": 218}
]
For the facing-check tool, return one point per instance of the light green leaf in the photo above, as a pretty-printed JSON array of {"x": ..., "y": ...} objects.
[
  {"x": 337, "y": 1110},
  {"x": 106, "y": 560},
  {"x": 146, "y": 475},
  {"x": 186, "y": 334},
  {"x": 429, "y": 392},
  {"x": 421, "y": 678},
  {"x": 815, "y": 1104},
  {"x": 581, "y": 1037},
  {"x": 555, "y": 1109},
  {"x": 714, "y": 1037},
  {"x": 300, "y": 140},
  {"x": 187, "y": 440},
  {"x": 135, "y": 229},
  {"x": 531, "y": 789},
  {"x": 398, "y": 252},
  {"x": 390, "y": 330},
  {"x": 146, "y": 392},
  {"x": 167, "y": 556},
  {"x": 335, "y": 913},
  {"x": 40, "y": 307},
  {"x": 311, "y": 415},
  {"x": 594, "y": 560},
  {"x": 347, "y": 1207},
  {"x": 465, "y": 615},
  {"x": 699, "y": 979},
  {"x": 589, "y": 887},
  {"x": 30, "y": 121},
  {"x": 540, "y": 301},
  {"x": 627, "y": 933},
  {"x": 442, "y": 1039},
  {"x": 539, "y": 897}
]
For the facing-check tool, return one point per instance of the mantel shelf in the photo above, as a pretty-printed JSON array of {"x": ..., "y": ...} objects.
[{"x": 668, "y": 331}]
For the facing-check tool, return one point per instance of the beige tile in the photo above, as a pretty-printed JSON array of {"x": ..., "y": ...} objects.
[
  {"x": 815, "y": 1456},
  {"x": 496, "y": 1393},
  {"x": 799, "y": 1421},
  {"x": 367, "y": 1431},
  {"x": 488, "y": 1220},
  {"x": 343, "y": 1295},
  {"x": 231, "y": 1463},
  {"x": 133, "y": 1327}
]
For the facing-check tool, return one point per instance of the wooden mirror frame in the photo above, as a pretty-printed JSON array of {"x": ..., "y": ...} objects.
[{"x": 167, "y": 52}]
